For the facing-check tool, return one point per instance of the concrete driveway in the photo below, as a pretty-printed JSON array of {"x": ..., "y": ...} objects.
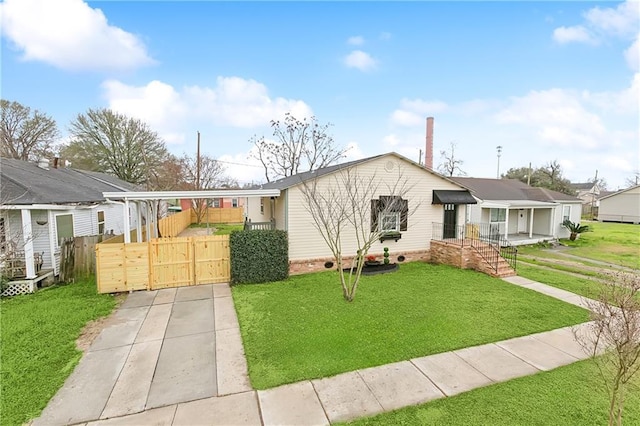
[{"x": 159, "y": 348}]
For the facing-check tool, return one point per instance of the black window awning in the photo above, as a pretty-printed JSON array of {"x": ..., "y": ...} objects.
[{"x": 441, "y": 196}]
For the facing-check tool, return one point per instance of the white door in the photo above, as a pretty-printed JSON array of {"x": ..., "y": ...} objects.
[{"x": 522, "y": 221}]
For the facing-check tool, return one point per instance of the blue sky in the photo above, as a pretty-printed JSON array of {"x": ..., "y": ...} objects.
[{"x": 544, "y": 80}]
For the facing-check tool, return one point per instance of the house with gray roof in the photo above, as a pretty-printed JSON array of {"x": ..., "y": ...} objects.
[
  {"x": 41, "y": 204},
  {"x": 430, "y": 199},
  {"x": 520, "y": 213},
  {"x": 621, "y": 206}
]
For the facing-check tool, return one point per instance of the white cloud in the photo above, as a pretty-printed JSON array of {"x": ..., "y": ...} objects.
[
  {"x": 617, "y": 162},
  {"x": 413, "y": 112},
  {"x": 632, "y": 54},
  {"x": 233, "y": 101},
  {"x": 391, "y": 140},
  {"x": 243, "y": 167},
  {"x": 621, "y": 21},
  {"x": 69, "y": 34},
  {"x": 238, "y": 102},
  {"x": 360, "y": 60},
  {"x": 385, "y": 36},
  {"x": 354, "y": 152},
  {"x": 621, "y": 102},
  {"x": 558, "y": 117},
  {"x": 570, "y": 34},
  {"x": 355, "y": 40}
]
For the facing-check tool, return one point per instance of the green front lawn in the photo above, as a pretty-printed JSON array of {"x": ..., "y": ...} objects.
[
  {"x": 609, "y": 242},
  {"x": 569, "y": 396},
  {"x": 38, "y": 337},
  {"x": 221, "y": 228},
  {"x": 301, "y": 328},
  {"x": 582, "y": 286}
]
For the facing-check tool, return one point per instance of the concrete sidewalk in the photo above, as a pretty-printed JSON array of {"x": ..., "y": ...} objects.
[
  {"x": 198, "y": 374},
  {"x": 158, "y": 348}
]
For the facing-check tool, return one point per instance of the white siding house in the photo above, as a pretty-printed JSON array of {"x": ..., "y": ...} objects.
[
  {"x": 290, "y": 211},
  {"x": 520, "y": 213},
  {"x": 41, "y": 205},
  {"x": 622, "y": 206}
]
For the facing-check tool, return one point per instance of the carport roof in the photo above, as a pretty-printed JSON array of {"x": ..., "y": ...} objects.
[{"x": 172, "y": 195}]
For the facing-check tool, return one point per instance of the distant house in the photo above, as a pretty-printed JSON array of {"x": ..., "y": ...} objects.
[
  {"x": 438, "y": 200},
  {"x": 41, "y": 205},
  {"x": 217, "y": 203},
  {"x": 622, "y": 206},
  {"x": 520, "y": 213}
]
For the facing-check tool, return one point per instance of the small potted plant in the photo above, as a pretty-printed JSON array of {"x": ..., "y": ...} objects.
[
  {"x": 371, "y": 260},
  {"x": 386, "y": 255}
]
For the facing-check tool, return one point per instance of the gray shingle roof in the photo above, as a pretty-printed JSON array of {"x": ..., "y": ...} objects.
[
  {"x": 290, "y": 181},
  {"x": 510, "y": 189},
  {"x": 24, "y": 183}
]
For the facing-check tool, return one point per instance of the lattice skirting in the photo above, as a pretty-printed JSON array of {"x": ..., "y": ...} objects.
[{"x": 14, "y": 289}]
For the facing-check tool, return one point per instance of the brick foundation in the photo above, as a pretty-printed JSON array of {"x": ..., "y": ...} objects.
[
  {"x": 315, "y": 265},
  {"x": 466, "y": 258}
]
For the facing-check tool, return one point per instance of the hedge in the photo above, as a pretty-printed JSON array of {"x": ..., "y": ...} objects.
[{"x": 259, "y": 256}]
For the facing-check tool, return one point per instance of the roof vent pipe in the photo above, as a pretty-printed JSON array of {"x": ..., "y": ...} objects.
[{"x": 43, "y": 163}]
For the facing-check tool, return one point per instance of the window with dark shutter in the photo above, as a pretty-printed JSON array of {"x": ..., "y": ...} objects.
[{"x": 389, "y": 213}]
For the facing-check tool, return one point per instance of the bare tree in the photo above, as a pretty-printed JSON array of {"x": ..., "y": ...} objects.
[
  {"x": 613, "y": 340},
  {"x": 450, "y": 165},
  {"x": 26, "y": 135},
  {"x": 350, "y": 205},
  {"x": 211, "y": 177},
  {"x": 299, "y": 146},
  {"x": 106, "y": 141}
]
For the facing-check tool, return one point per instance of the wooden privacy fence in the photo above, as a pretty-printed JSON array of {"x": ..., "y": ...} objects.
[
  {"x": 162, "y": 263},
  {"x": 219, "y": 215}
]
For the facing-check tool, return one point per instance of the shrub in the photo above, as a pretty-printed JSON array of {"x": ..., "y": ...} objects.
[{"x": 259, "y": 256}]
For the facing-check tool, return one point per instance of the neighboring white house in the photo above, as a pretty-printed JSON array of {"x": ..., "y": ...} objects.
[
  {"x": 306, "y": 245},
  {"x": 522, "y": 214},
  {"x": 621, "y": 206},
  {"x": 40, "y": 205}
]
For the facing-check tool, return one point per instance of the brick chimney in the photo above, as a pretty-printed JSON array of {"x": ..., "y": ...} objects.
[{"x": 428, "y": 152}]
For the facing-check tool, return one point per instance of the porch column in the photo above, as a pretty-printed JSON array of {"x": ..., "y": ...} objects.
[
  {"x": 27, "y": 235},
  {"x": 139, "y": 224},
  {"x": 531, "y": 222},
  {"x": 53, "y": 244},
  {"x": 552, "y": 222},
  {"x": 506, "y": 223},
  {"x": 127, "y": 224},
  {"x": 147, "y": 211}
]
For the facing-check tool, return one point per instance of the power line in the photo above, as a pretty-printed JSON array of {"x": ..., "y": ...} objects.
[{"x": 238, "y": 164}]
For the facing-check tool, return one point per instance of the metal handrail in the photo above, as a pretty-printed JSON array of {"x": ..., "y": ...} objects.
[{"x": 484, "y": 238}]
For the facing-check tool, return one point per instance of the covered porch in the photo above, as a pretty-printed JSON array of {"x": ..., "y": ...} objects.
[{"x": 520, "y": 222}]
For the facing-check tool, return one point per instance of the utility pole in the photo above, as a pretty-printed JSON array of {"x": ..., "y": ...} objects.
[
  {"x": 595, "y": 190},
  {"x": 529, "y": 175},
  {"x": 499, "y": 149},
  {"x": 420, "y": 159},
  {"x": 198, "y": 164}
]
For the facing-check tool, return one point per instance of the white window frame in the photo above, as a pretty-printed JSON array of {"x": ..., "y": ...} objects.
[
  {"x": 73, "y": 228},
  {"x": 498, "y": 215},
  {"x": 385, "y": 217},
  {"x": 566, "y": 213},
  {"x": 234, "y": 202},
  {"x": 101, "y": 223},
  {"x": 261, "y": 206},
  {"x": 216, "y": 203}
]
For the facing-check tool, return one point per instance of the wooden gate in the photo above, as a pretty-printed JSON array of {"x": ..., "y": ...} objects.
[{"x": 163, "y": 262}]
